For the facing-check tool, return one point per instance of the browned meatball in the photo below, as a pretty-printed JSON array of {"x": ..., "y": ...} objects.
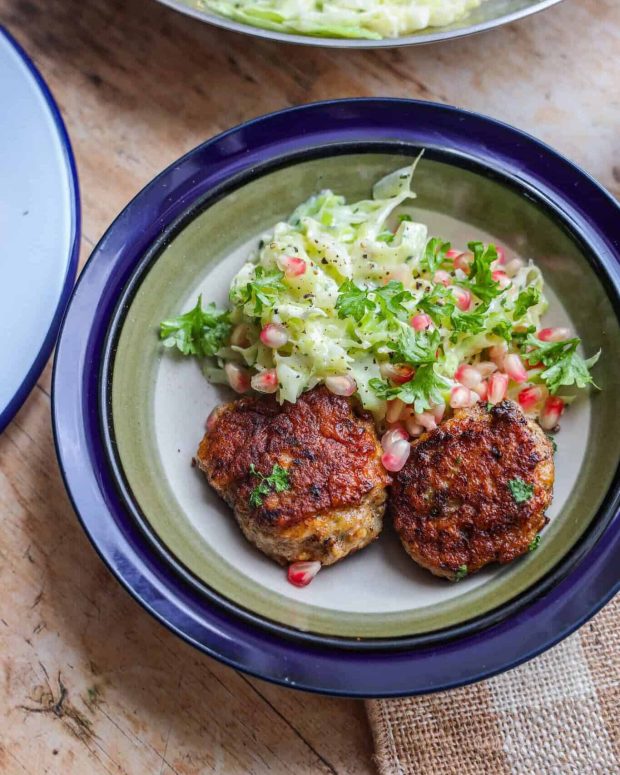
[
  {"x": 336, "y": 485},
  {"x": 474, "y": 491}
]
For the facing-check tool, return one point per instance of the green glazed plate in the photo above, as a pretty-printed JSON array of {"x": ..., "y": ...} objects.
[{"x": 159, "y": 402}]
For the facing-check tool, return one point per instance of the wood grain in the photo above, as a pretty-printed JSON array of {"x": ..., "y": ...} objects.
[{"x": 90, "y": 683}]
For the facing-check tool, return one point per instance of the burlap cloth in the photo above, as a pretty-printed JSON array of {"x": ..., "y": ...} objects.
[{"x": 557, "y": 714}]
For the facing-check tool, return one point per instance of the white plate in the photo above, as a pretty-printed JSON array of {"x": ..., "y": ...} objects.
[{"x": 39, "y": 225}]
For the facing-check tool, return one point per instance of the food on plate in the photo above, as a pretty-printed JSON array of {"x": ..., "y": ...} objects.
[
  {"x": 304, "y": 479},
  {"x": 357, "y": 298},
  {"x": 474, "y": 490},
  {"x": 370, "y": 19}
]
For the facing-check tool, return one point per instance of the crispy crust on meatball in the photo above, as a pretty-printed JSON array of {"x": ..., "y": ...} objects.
[
  {"x": 329, "y": 448},
  {"x": 452, "y": 503}
]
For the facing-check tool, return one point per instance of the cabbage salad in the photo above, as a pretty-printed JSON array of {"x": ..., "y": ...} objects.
[
  {"x": 370, "y": 19},
  {"x": 356, "y": 296}
]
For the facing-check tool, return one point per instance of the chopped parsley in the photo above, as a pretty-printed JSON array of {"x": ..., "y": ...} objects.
[
  {"x": 262, "y": 292},
  {"x": 423, "y": 391},
  {"x": 352, "y": 301},
  {"x": 198, "y": 332},
  {"x": 521, "y": 491},
  {"x": 534, "y": 545},
  {"x": 390, "y": 298},
  {"x": 434, "y": 254},
  {"x": 417, "y": 347},
  {"x": 461, "y": 572},
  {"x": 563, "y": 364},
  {"x": 480, "y": 280},
  {"x": 437, "y": 304},
  {"x": 529, "y": 297},
  {"x": 277, "y": 481}
]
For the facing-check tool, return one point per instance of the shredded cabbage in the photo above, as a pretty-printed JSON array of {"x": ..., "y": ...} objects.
[{"x": 370, "y": 19}]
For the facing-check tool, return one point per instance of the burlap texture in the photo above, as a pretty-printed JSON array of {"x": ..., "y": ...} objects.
[{"x": 556, "y": 715}]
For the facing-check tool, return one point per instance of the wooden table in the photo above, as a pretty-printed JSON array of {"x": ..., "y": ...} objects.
[{"x": 90, "y": 683}]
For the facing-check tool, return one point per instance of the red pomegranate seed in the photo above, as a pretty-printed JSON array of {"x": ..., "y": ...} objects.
[
  {"x": 426, "y": 420},
  {"x": 461, "y": 397},
  {"x": 468, "y": 375},
  {"x": 292, "y": 266},
  {"x": 463, "y": 298},
  {"x": 394, "y": 408},
  {"x": 341, "y": 386},
  {"x": 300, "y": 574},
  {"x": 421, "y": 322},
  {"x": 395, "y": 459},
  {"x": 498, "y": 385},
  {"x": 556, "y": 334},
  {"x": 442, "y": 277},
  {"x": 486, "y": 368},
  {"x": 413, "y": 429},
  {"x": 482, "y": 390},
  {"x": 531, "y": 396},
  {"x": 274, "y": 335},
  {"x": 240, "y": 336},
  {"x": 497, "y": 353},
  {"x": 438, "y": 411},
  {"x": 398, "y": 373},
  {"x": 513, "y": 366},
  {"x": 463, "y": 262},
  {"x": 502, "y": 278},
  {"x": 551, "y": 413},
  {"x": 501, "y": 254},
  {"x": 394, "y": 434},
  {"x": 265, "y": 381},
  {"x": 452, "y": 253},
  {"x": 238, "y": 377}
]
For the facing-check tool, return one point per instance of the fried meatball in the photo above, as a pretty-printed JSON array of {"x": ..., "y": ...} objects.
[
  {"x": 474, "y": 490},
  {"x": 335, "y": 493}
]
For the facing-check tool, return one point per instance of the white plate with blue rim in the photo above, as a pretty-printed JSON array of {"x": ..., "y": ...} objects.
[{"x": 39, "y": 224}]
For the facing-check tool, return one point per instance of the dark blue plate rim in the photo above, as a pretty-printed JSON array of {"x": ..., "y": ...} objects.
[
  {"x": 91, "y": 487},
  {"x": 40, "y": 359}
]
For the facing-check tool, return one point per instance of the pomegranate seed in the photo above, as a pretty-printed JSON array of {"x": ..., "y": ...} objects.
[
  {"x": 463, "y": 262},
  {"x": 394, "y": 408},
  {"x": 486, "y": 368},
  {"x": 395, "y": 459},
  {"x": 421, "y": 322},
  {"x": 461, "y": 397},
  {"x": 531, "y": 396},
  {"x": 265, "y": 381},
  {"x": 292, "y": 266},
  {"x": 438, "y": 411},
  {"x": 240, "y": 336},
  {"x": 341, "y": 386},
  {"x": 501, "y": 254},
  {"x": 482, "y": 390},
  {"x": 396, "y": 433},
  {"x": 501, "y": 278},
  {"x": 513, "y": 366},
  {"x": 238, "y": 377},
  {"x": 463, "y": 298},
  {"x": 426, "y": 420},
  {"x": 452, "y": 253},
  {"x": 514, "y": 266},
  {"x": 397, "y": 372},
  {"x": 497, "y": 353},
  {"x": 413, "y": 429},
  {"x": 300, "y": 574},
  {"x": 210, "y": 421},
  {"x": 442, "y": 277},
  {"x": 468, "y": 375},
  {"x": 557, "y": 334},
  {"x": 551, "y": 413},
  {"x": 274, "y": 335},
  {"x": 498, "y": 385}
]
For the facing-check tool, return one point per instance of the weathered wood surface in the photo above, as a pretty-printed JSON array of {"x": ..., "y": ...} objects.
[{"x": 90, "y": 683}]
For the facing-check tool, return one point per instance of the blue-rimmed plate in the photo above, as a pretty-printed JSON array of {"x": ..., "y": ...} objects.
[
  {"x": 39, "y": 224},
  {"x": 538, "y": 201}
]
